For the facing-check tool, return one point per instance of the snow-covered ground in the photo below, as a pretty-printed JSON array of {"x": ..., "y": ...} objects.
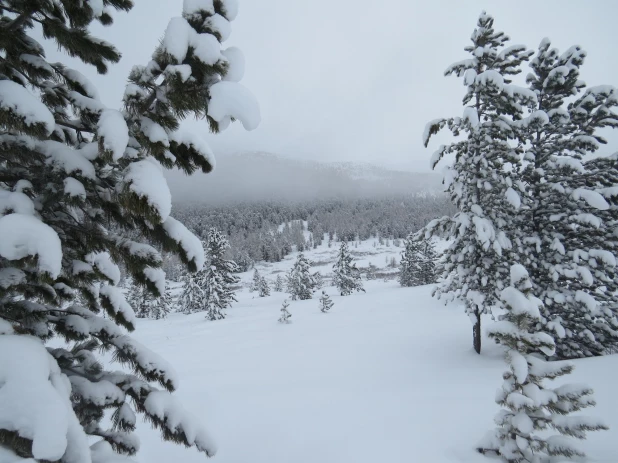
[{"x": 386, "y": 376}]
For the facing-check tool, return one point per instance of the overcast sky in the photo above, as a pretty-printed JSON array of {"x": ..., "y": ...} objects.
[{"x": 356, "y": 80}]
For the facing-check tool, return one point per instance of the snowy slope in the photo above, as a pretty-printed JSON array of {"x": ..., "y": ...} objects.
[{"x": 386, "y": 376}]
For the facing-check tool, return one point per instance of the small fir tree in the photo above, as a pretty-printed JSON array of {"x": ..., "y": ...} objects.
[
  {"x": 346, "y": 276},
  {"x": 146, "y": 305},
  {"x": 263, "y": 287},
  {"x": 300, "y": 282},
  {"x": 279, "y": 285},
  {"x": 318, "y": 280},
  {"x": 255, "y": 283},
  {"x": 219, "y": 276},
  {"x": 285, "y": 315},
  {"x": 193, "y": 296},
  {"x": 325, "y": 302},
  {"x": 530, "y": 408}
]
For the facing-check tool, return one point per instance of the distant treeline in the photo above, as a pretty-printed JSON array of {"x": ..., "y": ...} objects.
[{"x": 268, "y": 231}]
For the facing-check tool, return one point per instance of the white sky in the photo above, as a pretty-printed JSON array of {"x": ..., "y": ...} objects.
[{"x": 356, "y": 80}]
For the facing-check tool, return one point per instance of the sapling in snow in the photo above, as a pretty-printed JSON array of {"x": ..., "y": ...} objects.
[
  {"x": 285, "y": 315},
  {"x": 325, "y": 302},
  {"x": 530, "y": 408}
]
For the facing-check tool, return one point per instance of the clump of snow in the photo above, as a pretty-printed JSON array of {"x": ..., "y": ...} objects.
[
  {"x": 156, "y": 276},
  {"x": 66, "y": 159},
  {"x": 179, "y": 36},
  {"x": 236, "y": 64},
  {"x": 118, "y": 302},
  {"x": 162, "y": 405},
  {"x": 16, "y": 98},
  {"x": 15, "y": 201},
  {"x": 74, "y": 187},
  {"x": 471, "y": 115},
  {"x": 154, "y": 132},
  {"x": 82, "y": 80},
  {"x": 196, "y": 142},
  {"x": 104, "y": 264},
  {"x": 593, "y": 198},
  {"x": 513, "y": 198},
  {"x": 113, "y": 130},
  {"x": 231, "y": 9},
  {"x": 25, "y": 235},
  {"x": 190, "y": 243},
  {"x": 34, "y": 401},
  {"x": 232, "y": 99},
  {"x": 182, "y": 70},
  {"x": 219, "y": 24},
  {"x": 146, "y": 180}
]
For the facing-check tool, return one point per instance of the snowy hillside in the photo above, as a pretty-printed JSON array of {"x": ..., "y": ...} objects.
[
  {"x": 385, "y": 376},
  {"x": 264, "y": 176}
]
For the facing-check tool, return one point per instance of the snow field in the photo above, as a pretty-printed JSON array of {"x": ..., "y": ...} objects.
[{"x": 389, "y": 375}]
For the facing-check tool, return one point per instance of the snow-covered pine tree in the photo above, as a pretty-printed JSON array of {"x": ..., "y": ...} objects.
[
  {"x": 255, "y": 283},
  {"x": 318, "y": 280},
  {"x": 300, "y": 283},
  {"x": 346, "y": 277},
  {"x": 74, "y": 176},
  {"x": 371, "y": 271},
  {"x": 193, "y": 297},
  {"x": 325, "y": 302},
  {"x": 147, "y": 305},
  {"x": 279, "y": 284},
  {"x": 410, "y": 273},
  {"x": 429, "y": 273},
  {"x": 530, "y": 409},
  {"x": 571, "y": 251},
  {"x": 476, "y": 264},
  {"x": 285, "y": 315},
  {"x": 219, "y": 276},
  {"x": 263, "y": 287}
]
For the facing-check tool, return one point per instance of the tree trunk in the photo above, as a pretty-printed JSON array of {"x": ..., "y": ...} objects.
[{"x": 476, "y": 332}]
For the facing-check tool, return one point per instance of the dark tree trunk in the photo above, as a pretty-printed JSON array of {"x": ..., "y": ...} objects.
[{"x": 476, "y": 332}]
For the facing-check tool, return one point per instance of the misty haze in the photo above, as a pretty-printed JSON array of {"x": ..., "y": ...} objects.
[{"x": 287, "y": 231}]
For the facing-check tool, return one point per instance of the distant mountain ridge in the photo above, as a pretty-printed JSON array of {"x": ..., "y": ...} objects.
[{"x": 254, "y": 176}]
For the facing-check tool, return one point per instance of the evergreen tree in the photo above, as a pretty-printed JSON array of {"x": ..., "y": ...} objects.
[
  {"x": 318, "y": 280},
  {"x": 146, "y": 305},
  {"x": 530, "y": 409},
  {"x": 428, "y": 264},
  {"x": 279, "y": 284},
  {"x": 346, "y": 276},
  {"x": 300, "y": 282},
  {"x": 571, "y": 251},
  {"x": 77, "y": 178},
  {"x": 325, "y": 302},
  {"x": 263, "y": 288},
  {"x": 371, "y": 271},
  {"x": 285, "y": 315},
  {"x": 219, "y": 276},
  {"x": 255, "y": 283},
  {"x": 193, "y": 296},
  {"x": 410, "y": 270},
  {"x": 483, "y": 189}
]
